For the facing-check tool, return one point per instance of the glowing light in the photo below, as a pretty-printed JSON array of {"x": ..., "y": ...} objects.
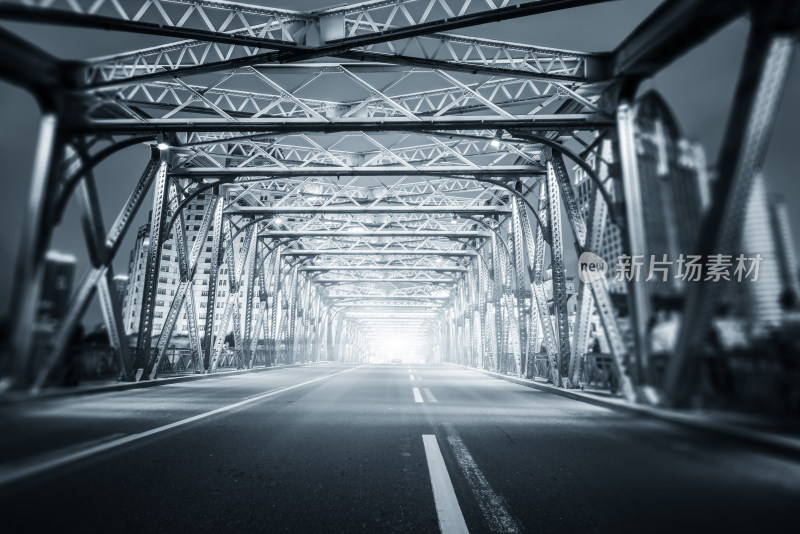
[
  {"x": 278, "y": 220},
  {"x": 163, "y": 146},
  {"x": 495, "y": 143}
]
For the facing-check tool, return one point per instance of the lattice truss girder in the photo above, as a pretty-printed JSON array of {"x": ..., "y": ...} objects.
[
  {"x": 358, "y": 150},
  {"x": 265, "y": 95},
  {"x": 396, "y": 31}
]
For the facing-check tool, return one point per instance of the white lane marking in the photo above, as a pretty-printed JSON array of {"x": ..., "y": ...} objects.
[
  {"x": 451, "y": 520},
  {"x": 30, "y": 470},
  {"x": 412, "y": 377},
  {"x": 493, "y": 506},
  {"x": 417, "y": 396},
  {"x": 429, "y": 395}
]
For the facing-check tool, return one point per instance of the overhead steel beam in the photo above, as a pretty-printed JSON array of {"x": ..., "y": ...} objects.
[
  {"x": 670, "y": 31},
  {"x": 276, "y": 234},
  {"x": 399, "y": 313},
  {"x": 30, "y": 67},
  {"x": 379, "y": 297},
  {"x": 439, "y": 269},
  {"x": 451, "y": 23},
  {"x": 349, "y": 209},
  {"x": 324, "y": 281},
  {"x": 61, "y": 17},
  {"x": 379, "y": 252},
  {"x": 548, "y": 123},
  {"x": 389, "y": 306},
  {"x": 384, "y": 170},
  {"x": 287, "y": 49}
]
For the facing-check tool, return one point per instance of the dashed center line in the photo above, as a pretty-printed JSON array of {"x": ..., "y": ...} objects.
[
  {"x": 411, "y": 376},
  {"x": 417, "y": 396},
  {"x": 429, "y": 395}
]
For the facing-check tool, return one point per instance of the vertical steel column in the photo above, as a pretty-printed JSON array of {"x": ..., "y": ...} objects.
[
  {"x": 578, "y": 227},
  {"x": 755, "y": 104},
  {"x": 483, "y": 305},
  {"x": 233, "y": 302},
  {"x": 144, "y": 341},
  {"x": 92, "y": 221},
  {"x": 259, "y": 323},
  {"x": 523, "y": 282},
  {"x": 496, "y": 273},
  {"x": 314, "y": 349},
  {"x": 537, "y": 245},
  {"x": 636, "y": 238},
  {"x": 559, "y": 274},
  {"x": 474, "y": 315},
  {"x": 251, "y": 268},
  {"x": 275, "y": 316},
  {"x": 33, "y": 242},
  {"x": 293, "y": 298},
  {"x": 218, "y": 202}
]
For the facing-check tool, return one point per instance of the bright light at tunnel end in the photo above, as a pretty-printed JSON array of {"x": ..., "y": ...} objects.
[{"x": 399, "y": 349}]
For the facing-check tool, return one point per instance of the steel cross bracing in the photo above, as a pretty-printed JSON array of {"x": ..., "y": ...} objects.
[
  {"x": 225, "y": 34},
  {"x": 324, "y": 178}
]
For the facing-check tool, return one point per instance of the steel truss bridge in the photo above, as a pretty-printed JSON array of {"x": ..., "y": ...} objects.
[{"x": 372, "y": 173}]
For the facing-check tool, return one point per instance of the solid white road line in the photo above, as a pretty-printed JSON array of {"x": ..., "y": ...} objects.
[
  {"x": 30, "y": 470},
  {"x": 417, "y": 396},
  {"x": 412, "y": 377},
  {"x": 451, "y": 520},
  {"x": 492, "y": 505},
  {"x": 429, "y": 395}
]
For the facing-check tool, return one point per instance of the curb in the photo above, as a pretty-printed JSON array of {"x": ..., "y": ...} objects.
[
  {"x": 775, "y": 444},
  {"x": 125, "y": 386}
]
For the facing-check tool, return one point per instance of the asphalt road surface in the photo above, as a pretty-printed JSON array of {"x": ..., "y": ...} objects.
[{"x": 376, "y": 448}]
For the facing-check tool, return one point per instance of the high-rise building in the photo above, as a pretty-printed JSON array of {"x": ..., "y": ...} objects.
[
  {"x": 761, "y": 299},
  {"x": 121, "y": 285},
  {"x": 787, "y": 255},
  {"x": 674, "y": 193},
  {"x": 169, "y": 274},
  {"x": 59, "y": 272}
]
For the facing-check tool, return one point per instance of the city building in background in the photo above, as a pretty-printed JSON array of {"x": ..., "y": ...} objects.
[
  {"x": 169, "y": 274},
  {"x": 787, "y": 254},
  {"x": 121, "y": 285},
  {"x": 674, "y": 184},
  {"x": 59, "y": 274}
]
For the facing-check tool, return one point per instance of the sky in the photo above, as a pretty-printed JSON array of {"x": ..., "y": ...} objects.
[{"x": 699, "y": 88}]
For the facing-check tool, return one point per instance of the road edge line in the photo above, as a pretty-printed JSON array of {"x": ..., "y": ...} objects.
[
  {"x": 778, "y": 445},
  {"x": 54, "y": 463}
]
